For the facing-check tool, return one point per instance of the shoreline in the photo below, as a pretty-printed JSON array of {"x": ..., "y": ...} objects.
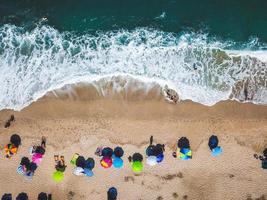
[{"x": 80, "y": 126}]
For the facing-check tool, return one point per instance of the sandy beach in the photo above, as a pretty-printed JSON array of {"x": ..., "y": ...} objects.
[{"x": 81, "y": 126}]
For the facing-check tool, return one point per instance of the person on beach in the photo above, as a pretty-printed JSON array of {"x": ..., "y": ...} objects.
[
  {"x": 60, "y": 163},
  {"x": 83, "y": 167},
  {"x": 117, "y": 158},
  {"x": 183, "y": 151},
  {"x": 154, "y": 153},
  {"x": 7, "y": 196},
  {"x": 8, "y": 122},
  {"x": 60, "y": 167},
  {"x": 112, "y": 193},
  {"x": 38, "y": 152},
  {"x": 22, "y": 196},
  {"x": 136, "y": 160},
  {"x": 213, "y": 145},
  {"x": 262, "y": 158},
  {"x": 12, "y": 147}
]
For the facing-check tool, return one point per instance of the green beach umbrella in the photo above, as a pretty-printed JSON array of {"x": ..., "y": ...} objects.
[
  {"x": 137, "y": 166},
  {"x": 58, "y": 176}
]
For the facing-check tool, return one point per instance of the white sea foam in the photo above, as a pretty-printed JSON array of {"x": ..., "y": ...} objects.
[{"x": 33, "y": 63}]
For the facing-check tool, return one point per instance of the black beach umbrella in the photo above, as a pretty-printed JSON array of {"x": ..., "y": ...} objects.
[
  {"x": 265, "y": 153},
  {"x": 213, "y": 142},
  {"x": 183, "y": 142},
  {"x": 158, "y": 149},
  {"x": 112, "y": 193},
  {"x": 32, "y": 166},
  {"x": 22, "y": 196},
  {"x": 42, "y": 196},
  {"x": 107, "y": 152},
  {"x": 137, "y": 157},
  {"x": 81, "y": 162},
  {"x": 7, "y": 197},
  {"x": 25, "y": 161},
  {"x": 150, "y": 150},
  {"x": 15, "y": 139},
  {"x": 118, "y": 152}
]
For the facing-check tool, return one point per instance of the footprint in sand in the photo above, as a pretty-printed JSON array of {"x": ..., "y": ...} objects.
[
  {"x": 175, "y": 195},
  {"x": 128, "y": 178}
]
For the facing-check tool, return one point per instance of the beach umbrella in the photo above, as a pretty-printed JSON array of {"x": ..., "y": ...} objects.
[
  {"x": 37, "y": 158},
  {"x": 213, "y": 142},
  {"x": 118, "y": 152},
  {"x": 216, "y": 151},
  {"x": 151, "y": 160},
  {"x": 137, "y": 166},
  {"x": 90, "y": 163},
  {"x": 160, "y": 157},
  {"x": 88, "y": 172},
  {"x": 185, "y": 154},
  {"x": 7, "y": 197},
  {"x": 137, "y": 157},
  {"x": 106, "y": 162},
  {"x": 112, "y": 193},
  {"x": 183, "y": 142},
  {"x": 15, "y": 139},
  {"x": 78, "y": 171},
  {"x": 107, "y": 152},
  {"x": 81, "y": 162},
  {"x": 22, "y": 196},
  {"x": 42, "y": 196},
  {"x": 58, "y": 176},
  {"x": 117, "y": 162},
  {"x": 150, "y": 150}
]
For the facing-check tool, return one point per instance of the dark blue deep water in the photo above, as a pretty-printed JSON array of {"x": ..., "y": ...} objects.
[{"x": 238, "y": 20}]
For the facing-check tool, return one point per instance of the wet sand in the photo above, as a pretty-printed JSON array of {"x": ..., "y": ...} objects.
[{"x": 81, "y": 126}]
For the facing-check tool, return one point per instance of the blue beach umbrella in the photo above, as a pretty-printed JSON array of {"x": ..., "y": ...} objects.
[
  {"x": 160, "y": 157},
  {"x": 117, "y": 163},
  {"x": 88, "y": 172},
  {"x": 216, "y": 151}
]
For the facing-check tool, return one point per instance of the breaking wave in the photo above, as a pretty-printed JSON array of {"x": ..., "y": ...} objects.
[{"x": 197, "y": 67}]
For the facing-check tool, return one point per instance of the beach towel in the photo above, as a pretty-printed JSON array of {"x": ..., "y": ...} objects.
[
  {"x": 37, "y": 158},
  {"x": 78, "y": 171},
  {"x": 185, "y": 154},
  {"x": 74, "y": 158},
  {"x": 21, "y": 170}
]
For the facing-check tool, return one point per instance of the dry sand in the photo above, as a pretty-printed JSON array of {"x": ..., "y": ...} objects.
[{"x": 81, "y": 126}]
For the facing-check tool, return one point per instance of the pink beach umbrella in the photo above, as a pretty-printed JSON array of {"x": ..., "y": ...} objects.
[{"x": 37, "y": 158}]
